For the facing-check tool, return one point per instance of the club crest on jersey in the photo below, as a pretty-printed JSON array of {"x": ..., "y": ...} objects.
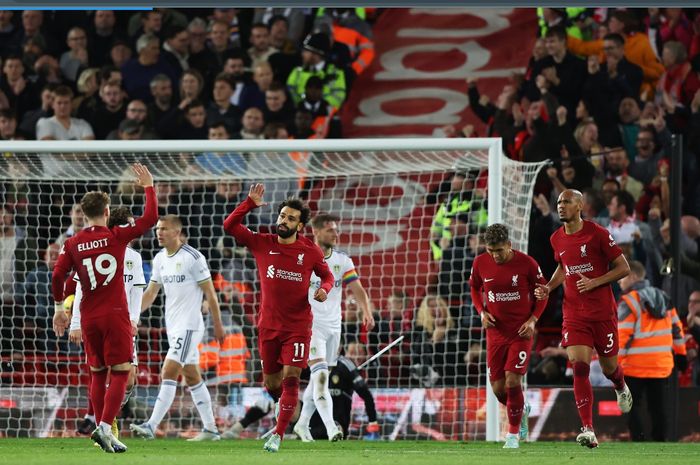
[
  {"x": 300, "y": 259},
  {"x": 178, "y": 266},
  {"x": 583, "y": 250},
  {"x": 335, "y": 379},
  {"x": 336, "y": 269},
  {"x": 129, "y": 264},
  {"x": 515, "y": 280}
]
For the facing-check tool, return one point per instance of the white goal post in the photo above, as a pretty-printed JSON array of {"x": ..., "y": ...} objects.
[{"x": 386, "y": 192}]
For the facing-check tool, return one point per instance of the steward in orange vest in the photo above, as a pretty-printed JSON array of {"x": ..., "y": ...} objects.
[{"x": 650, "y": 333}]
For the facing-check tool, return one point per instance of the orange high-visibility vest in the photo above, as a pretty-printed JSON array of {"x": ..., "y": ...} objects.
[
  {"x": 361, "y": 47},
  {"x": 229, "y": 359},
  {"x": 647, "y": 344}
]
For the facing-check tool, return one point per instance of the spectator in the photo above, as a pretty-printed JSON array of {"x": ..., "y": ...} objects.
[
  {"x": 275, "y": 131},
  {"x": 33, "y": 29},
  {"x": 161, "y": 88},
  {"x": 261, "y": 49},
  {"x": 11, "y": 238},
  {"x": 188, "y": 121},
  {"x": 76, "y": 58},
  {"x": 649, "y": 334},
  {"x": 9, "y": 34},
  {"x": 151, "y": 22},
  {"x": 36, "y": 297},
  {"x": 8, "y": 126},
  {"x": 138, "y": 72},
  {"x": 88, "y": 87},
  {"x": 176, "y": 49},
  {"x": 616, "y": 164},
  {"x": 693, "y": 322},
  {"x": 303, "y": 124},
  {"x": 670, "y": 85},
  {"x": 675, "y": 26},
  {"x": 252, "y": 124},
  {"x": 435, "y": 339},
  {"x": 200, "y": 57},
  {"x": 109, "y": 112},
  {"x": 314, "y": 63},
  {"x": 353, "y": 329},
  {"x": 77, "y": 223},
  {"x": 458, "y": 201},
  {"x": 191, "y": 86},
  {"x": 101, "y": 37},
  {"x": 294, "y": 18},
  {"x": 456, "y": 262},
  {"x": 120, "y": 53},
  {"x": 235, "y": 67},
  {"x": 61, "y": 126},
  {"x": 564, "y": 73},
  {"x": 650, "y": 150},
  {"x": 20, "y": 93},
  {"x": 280, "y": 35},
  {"x": 219, "y": 42},
  {"x": 221, "y": 163},
  {"x": 128, "y": 129},
  {"x": 278, "y": 108},
  {"x": 236, "y": 31},
  {"x": 220, "y": 108},
  {"x": 253, "y": 94}
]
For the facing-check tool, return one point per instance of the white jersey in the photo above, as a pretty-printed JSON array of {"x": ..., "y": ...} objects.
[
  {"x": 134, "y": 283},
  {"x": 180, "y": 274},
  {"x": 327, "y": 313}
]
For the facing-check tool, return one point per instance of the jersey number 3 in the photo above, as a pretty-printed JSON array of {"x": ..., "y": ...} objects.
[{"x": 99, "y": 267}]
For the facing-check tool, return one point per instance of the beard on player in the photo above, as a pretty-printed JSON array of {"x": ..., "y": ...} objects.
[{"x": 284, "y": 232}]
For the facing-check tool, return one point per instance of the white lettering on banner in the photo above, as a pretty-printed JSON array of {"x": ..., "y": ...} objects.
[
  {"x": 494, "y": 18},
  {"x": 374, "y": 115},
  {"x": 476, "y": 56}
]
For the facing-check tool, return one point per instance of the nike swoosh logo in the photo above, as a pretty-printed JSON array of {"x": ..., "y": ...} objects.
[
  {"x": 562, "y": 253},
  {"x": 297, "y": 360},
  {"x": 274, "y": 253},
  {"x": 607, "y": 351},
  {"x": 489, "y": 280}
]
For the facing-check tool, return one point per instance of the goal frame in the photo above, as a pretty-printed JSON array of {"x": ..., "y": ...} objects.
[{"x": 493, "y": 146}]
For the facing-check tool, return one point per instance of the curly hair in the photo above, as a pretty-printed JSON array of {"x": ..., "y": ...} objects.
[
  {"x": 119, "y": 216},
  {"x": 496, "y": 234}
]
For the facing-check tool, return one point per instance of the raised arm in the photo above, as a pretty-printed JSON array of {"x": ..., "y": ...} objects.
[
  {"x": 150, "y": 213},
  {"x": 233, "y": 224}
]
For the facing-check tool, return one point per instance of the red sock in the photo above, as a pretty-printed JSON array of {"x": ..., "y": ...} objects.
[
  {"x": 583, "y": 393},
  {"x": 97, "y": 393},
  {"x": 516, "y": 403},
  {"x": 114, "y": 395},
  {"x": 618, "y": 378},
  {"x": 91, "y": 410},
  {"x": 288, "y": 403}
]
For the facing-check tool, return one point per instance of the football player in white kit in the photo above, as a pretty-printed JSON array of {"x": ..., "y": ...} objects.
[
  {"x": 184, "y": 274},
  {"x": 134, "y": 284},
  {"x": 326, "y": 329}
]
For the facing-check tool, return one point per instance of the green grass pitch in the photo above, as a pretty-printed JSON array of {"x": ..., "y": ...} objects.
[{"x": 173, "y": 451}]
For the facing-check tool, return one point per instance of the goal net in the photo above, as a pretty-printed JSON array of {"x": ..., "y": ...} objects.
[{"x": 411, "y": 214}]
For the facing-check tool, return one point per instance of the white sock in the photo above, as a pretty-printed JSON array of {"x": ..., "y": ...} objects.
[
  {"x": 322, "y": 396},
  {"x": 202, "y": 400},
  {"x": 106, "y": 427},
  {"x": 309, "y": 407},
  {"x": 166, "y": 395}
]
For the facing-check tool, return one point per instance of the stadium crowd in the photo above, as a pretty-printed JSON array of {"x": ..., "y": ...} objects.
[{"x": 602, "y": 95}]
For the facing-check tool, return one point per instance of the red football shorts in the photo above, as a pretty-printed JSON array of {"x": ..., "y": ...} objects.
[
  {"x": 601, "y": 335},
  {"x": 283, "y": 348},
  {"x": 513, "y": 356},
  {"x": 108, "y": 340}
]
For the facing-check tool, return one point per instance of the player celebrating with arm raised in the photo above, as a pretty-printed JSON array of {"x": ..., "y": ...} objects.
[
  {"x": 508, "y": 278},
  {"x": 285, "y": 262},
  {"x": 325, "y": 334},
  {"x": 184, "y": 274},
  {"x": 97, "y": 254},
  {"x": 588, "y": 260}
]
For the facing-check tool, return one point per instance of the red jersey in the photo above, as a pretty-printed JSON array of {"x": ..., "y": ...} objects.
[
  {"x": 97, "y": 255},
  {"x": 509, "y": 290},
  {"x": 284, "y": 271},
  {"x": 589, "y": 252}
]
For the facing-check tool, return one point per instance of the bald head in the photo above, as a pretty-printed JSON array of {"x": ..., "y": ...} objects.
[
  {"x": 690, "y": 226},
  {"x": 569, "y": 205}
]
